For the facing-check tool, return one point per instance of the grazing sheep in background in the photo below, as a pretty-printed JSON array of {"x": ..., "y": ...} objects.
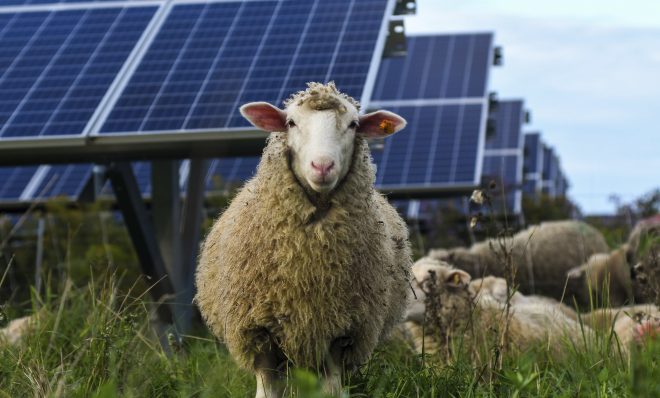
[
  {"x": 631, "y": 324},
  {"x": 541, "y": 255},
  {"x": 309, "y": 265},
  {"x": 605, "y": 277},
  {"x": 446, "y": 307}
]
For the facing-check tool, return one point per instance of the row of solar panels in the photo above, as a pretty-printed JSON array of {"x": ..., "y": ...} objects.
[
  {"x": 542, "y": 169},
  {"x": 440, "y": 147},
  {"x": 145, "y": 68}
]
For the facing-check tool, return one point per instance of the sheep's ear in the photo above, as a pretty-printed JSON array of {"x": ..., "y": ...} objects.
[
  {"x": 458, "y": 278},
  {"x": 264, "y": 116},
  {"x": 380, "y": 124}
]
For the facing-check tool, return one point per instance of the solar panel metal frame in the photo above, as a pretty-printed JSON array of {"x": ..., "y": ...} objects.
[
  {"x": 92, "y": 146},
  {"x": 444, "y": 189}
]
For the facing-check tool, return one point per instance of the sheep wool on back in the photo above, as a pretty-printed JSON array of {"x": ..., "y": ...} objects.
[{"x": 276, "y": 267}]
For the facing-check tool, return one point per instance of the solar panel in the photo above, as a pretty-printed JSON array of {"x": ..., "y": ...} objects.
[
  {"x": 61, "y": 180},
  {"x": 533, "y": 164},
  {"x": 438, "y": 148},
  {"x": 56, "y": 66},
  {"x": 440, "y": 88},
  {"x": 208, "y": 59},
  {"x": 438, "y": 66},
  {"x": 14, "y": 180},
  {"x": 554, "y": 182},
  {"x": 503, "y": 156}
]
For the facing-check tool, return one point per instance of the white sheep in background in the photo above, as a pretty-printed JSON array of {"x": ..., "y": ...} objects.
[
  {"x": 447, "y": 307},
  {"x": 533, "y": 318},
  {"x": 309, "y": 265}
]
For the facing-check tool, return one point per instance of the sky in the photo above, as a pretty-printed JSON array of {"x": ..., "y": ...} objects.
[{"x": 589, "y": 72}]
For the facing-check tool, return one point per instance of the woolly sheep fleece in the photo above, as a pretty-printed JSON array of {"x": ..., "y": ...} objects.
[
  {"x": 542, "y": 254},
  {"x": 457, "y": 313},
  {"x": 272, "y": 267}
]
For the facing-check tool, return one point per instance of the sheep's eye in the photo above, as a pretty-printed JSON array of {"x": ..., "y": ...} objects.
[
  {"x": 353, "y": 125},
  {"x": 290, "y": 123}
]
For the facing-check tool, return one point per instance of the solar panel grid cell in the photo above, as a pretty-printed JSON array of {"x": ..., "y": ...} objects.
[
  {"x": 418, "y": 156},
  {"x": 441, "y": 66}
]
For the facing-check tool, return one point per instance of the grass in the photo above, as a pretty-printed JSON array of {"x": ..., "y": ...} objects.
[
  {"x": 92, "y": 338},
  {"x": 95, "y": 341}
]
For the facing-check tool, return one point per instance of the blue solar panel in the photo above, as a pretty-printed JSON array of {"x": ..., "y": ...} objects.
[
  {"x": 533, "y": 153},
  {"x": 549, "y": 163},
  {"x": 504, "y": 170},
  {"x": 14, "y": 180},
  {"x": 439, "y": 147},
  {"x": 509, "y": 118},
  {"x": 554, "y": 182},
  {"x": 230, "y": 172},
  {"x": 439, "y": 66},
  {"x": 56, "y": 66},
  {"x": 533, "y": 164},
  {"x": 63, "y": 180},
  {"x": 208, "y": 59},
  {"x": 503, "y": 156}
]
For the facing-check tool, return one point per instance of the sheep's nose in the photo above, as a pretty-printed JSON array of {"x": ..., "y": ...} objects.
[{"x": 323, "y": 167}]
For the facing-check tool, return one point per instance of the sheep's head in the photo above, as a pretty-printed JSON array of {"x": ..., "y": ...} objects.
[
  {"x": 437, "y": 284},
  {"x": 321, "y": 125}
]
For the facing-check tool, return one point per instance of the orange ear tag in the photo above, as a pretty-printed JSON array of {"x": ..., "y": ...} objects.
[{"x": 387, "y": 126}]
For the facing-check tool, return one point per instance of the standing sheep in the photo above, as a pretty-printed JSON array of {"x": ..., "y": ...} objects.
[
  {"x": 309, "y": 265},
  {"x": 540, "y": 254}
]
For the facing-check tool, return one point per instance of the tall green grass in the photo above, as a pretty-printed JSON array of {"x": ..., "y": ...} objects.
[{"x": 95, "y": 341}]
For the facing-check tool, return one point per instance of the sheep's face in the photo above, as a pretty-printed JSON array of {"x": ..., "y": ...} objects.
[
  {"x": 430, "y": 272},
  {"x": 321, "y": 129}
]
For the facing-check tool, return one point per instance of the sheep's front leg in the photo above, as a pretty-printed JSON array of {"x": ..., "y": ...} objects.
[
  {"x": 333, "y": 366},
  {"x": 269, "y": 378}
]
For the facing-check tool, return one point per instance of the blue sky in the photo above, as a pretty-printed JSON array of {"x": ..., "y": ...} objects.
[{"x": 588, "y": 70}]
